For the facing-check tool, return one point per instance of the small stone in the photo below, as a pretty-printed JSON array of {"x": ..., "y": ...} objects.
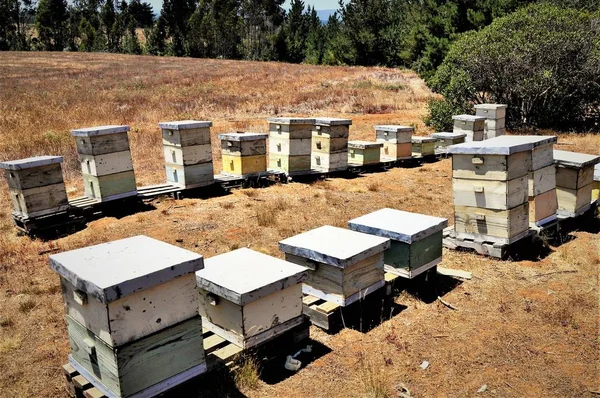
[
  {"x": 424, "y": 365},
  {"x": 483, "y": 388}
]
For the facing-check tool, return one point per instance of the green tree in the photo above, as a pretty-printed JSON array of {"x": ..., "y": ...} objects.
[
  {"x": 141, "y": 13},
  {"x": 13, "y": 24},
  {"x": 156, "y": 38},
  {"x": 50, "y": 21},
  {"x": 262, "y": 20},
  {"x": 295, "y": 32},
  {"x": 108, "y": 18},
  {"x": 316, "y": 39},
  {"x": 131, "y": 43}
]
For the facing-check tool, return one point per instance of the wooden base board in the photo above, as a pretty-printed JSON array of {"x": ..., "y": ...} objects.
[
  {"x": 491, "y": 239},
  {"x": 409, "y": 274},
  {"x": 486, "y": 248},
  {"x": 562, "y": 214},
  {"x": 343, "y": 301},
  {"x": 39, "y": 225}
]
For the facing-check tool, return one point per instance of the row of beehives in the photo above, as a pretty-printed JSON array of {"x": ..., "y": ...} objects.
[
  {"x": 135, "y": 308},
  {"x": 488, "y": 122}
]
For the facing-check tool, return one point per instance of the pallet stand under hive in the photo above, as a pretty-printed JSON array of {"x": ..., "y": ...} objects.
[
  {"x": 330, "y": 144},
  {"x": 364, "y": 153},
  {"x": 106, "y": 163},
  {"x": 472, "y": 126},
  {"x": 574, "y": 181},
  {"x": 36, "y": 186},
  {"x": 396, "y": 141},
  {"x": 446, "y": 139},
  {"x": 290, "y": 141},
  {"x": 596, "y": 184},
  {"x": 416, "y": 239},
  {"x": 244, "y": 154},
  {"x": 344, "y": 266},
  {"x": 249, "y": 298},
  {"x": 495, "y": 115},
  {"x": 423, "y": 146},
  {"x": 188, "y": 153},
  {"x": 132, "y": 315}
]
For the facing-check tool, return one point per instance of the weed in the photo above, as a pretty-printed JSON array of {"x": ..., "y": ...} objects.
[
  {"x": 374, "y": 187},
  {"x": 373, "y": 378},
  {"x": 247, "y": 374},
  {"x": 250, "y": 192},
  {"x": 9, "y": 343},
  {"x": 6, "y": 322},
  {"x": 27, "y": 305},
  {"x": 266, "y": 216},
  {"x": 227, "y": 205}
]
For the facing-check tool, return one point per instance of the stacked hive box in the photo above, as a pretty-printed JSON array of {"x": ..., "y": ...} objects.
[
  {"x": 330, "y": 144},
  {"x": 472, "y": 126},
  {"x": 495, "y": 115},
  {"x": 490, "y": 186},
  {"x": 445, "y": 140},
  {"x": 363, "y": 153},
  {"x": 596, "y": 184},
  {"x": 132, "y": 315},
  {"x": 416, "y": 239},
  {"x": 423, "y": 146},
  {"x": 396, "y": 141},
  {"x": 188, "y": 154},
  {"x": 244, "y": 154},
  {"x": 574, "y": 181},
  {"x": 36, "y": 186},
  {"x": 248, "y": 297},
  {"x": 290, "y": 144},
  {"x": 105, "y": 162},
  {"x": 344, "y": 266}
]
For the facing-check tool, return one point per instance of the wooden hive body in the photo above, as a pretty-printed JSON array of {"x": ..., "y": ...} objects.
[
  {"x": 362, "y": 153},
  {"x": 416, "y": 239},
  {"x": 106, "y": 164},
  {"x": 574, "y": 181},
  {"x": 290, "y": 144},
  {"x": 248, "y": 297},
  {"x": 445, "y": 139},
  {"x": 472, "y": 126},
  {"x": 124, "y": 301},
  {"x": 330, "y": 144},
  {"x": 396, "y": 141},
  {"x": 244, "y": 154},
  {"x": 344, "y": 265},
  {"x": 423, "y": 146},
  {"x": 495, "y": 114},
  {"x": 596, "y": 184},
  {"x": 36, "y": 186},
  {"x": 188, "y": 153}
]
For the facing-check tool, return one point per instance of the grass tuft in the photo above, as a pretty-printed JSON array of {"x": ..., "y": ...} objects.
[
  {"x": 27, "y": 305},
  {"x": 372, "y": 376},
  {"x": 247, "y": 374}
]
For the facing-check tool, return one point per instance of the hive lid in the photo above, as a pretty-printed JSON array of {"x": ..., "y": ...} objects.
[
  {"x": 364, "y": 144},
  {"x": 99, "y": 130},
  {"x": 398, "y": 225},
  {"x": 468, "y": 118},
  {"x": 394, "y": 128},
  {"x": 442, "y": 135},
  {"x": 291, "y": 120},
  {"x": 185, "y": 124},
  {"x": 239, "y": 136},
  {"x": 113, "y": 270},
  {"x": 418, "y": 140},
  {"x": 597, "y": 172},
  {"x": 491, "y": 106},
  {"x": 503, "y": 145},
  {"x": 332, "y": 121},
  {"x": 334, "y": 246},
  {"x": 28, "y": 163},
  {"x": 243, "y": 276},
  {"x": 574, "y": 159}
]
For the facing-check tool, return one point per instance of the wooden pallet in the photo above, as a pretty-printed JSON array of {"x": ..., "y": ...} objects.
[
  {"x": 40, "y": 225},
  {"x": 255, "y": 180},
  {"x": 152, "y": 191},
  {"x": 485, "y": 247}
]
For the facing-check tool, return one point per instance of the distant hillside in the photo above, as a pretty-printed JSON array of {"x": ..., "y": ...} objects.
[{"x": 324, "y": 14}]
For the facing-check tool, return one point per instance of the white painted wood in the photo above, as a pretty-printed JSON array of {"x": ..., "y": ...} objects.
[
  {"x": 411, "y": 273},
  {"x": 343, "y": 301},
  {"x": 102, "y": 144},
  {"x": 39, "y": 201},
  {"x": 489, "y": 133},
  {"x": 329, "y": 161},
  {"x": 394, "y": 134},
  {"x": 186, "y": 137},
  {"x": 543, "y": 206},
  {"x": 505, "y": 145},
  {"x": 597, "y": 172},
  {"x": 574, "y": 178},
  {"x": 109, "y": 186},
  {"x": 495, "y": 124},
  {"x": 542, "y": 180},
  {"x": 364, "y": 144},
  {"x": 493, "y": 239},
  {"x": 226, "y": 314},
  {"x": 542, "y": 156},
  {"x": 110, "y": 271},
  {"x": 334, "y": 131},
  {"x": 448, "y": 135},
  {"x": 496, "y": 195},
  {"x": 34, "y": 177},
  {"x": 574, "y": 159},
  {"x": 491, "y": 167},
  {"x": 421, "y": 140},
  {"x": 291, "y": 120},
  {"x": 191, "y": 176},
  {"x": 468, "y": 123},
  {"x": 491, "y": 111},
  {"x": 572, "y": 201},
  {"x": 332, "y": 121},
  {"x": 501, "y": 224},
  {"x": 33, "y": 162},
  {"x": 189, "y": 155},
  {"x": 185, "y": 125},
  {"x": 243, "y": 136},
  {"x": 110, "y": 163},
  {"x": 99, "y": 130},
  {"x": 286, "y": 146},
  {"x": 272, "y": 310}
]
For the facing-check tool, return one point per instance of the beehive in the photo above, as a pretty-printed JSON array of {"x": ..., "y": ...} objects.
[
  {"x": 132, "y": 314},
  {"x": 490, "y": 187},
  {"x": 396, "y": 141},
  {"x": 330, "y": 144},
  {"x": 290, "y": 144},
  {"x": 423, "y": 146},
  {"x": 495, "y": 114},
  {"x": 574, "y": 181},
  {"x": 472, "y": 126},
  {"x": 244, "y": 154},
  {"x": 416, "y": 239},
  {"x": 344, "y": 265},
  {"x": 188, "y": 154},
  {"x": 445, "y": 139},
  {"x": 36, "y": 186},
  {"x": 248, "y": 297},
  {"x": 596, "y": 184},
  {"x": 362, "y": 153}
]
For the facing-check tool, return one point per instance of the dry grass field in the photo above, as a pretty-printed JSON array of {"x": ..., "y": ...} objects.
[{"x": 524, "y": 329}]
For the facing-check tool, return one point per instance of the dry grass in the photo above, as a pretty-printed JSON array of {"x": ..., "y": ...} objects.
[
  {"x": 247, "y": 374},
  {"x": 520, "y": 333}
]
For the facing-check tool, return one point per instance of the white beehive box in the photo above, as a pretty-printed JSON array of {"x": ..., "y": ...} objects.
[
  {"x": 290, "y": 144},
  {"x": 188, "y": 153},
  {"x": 423, "y": 146},
  {"x": 330, "y": 144},
  {"x": 416, "y": 239},
  {"x": 495, "y": 114},
  {"x": 574, "y": 181},
  {"x": 344, "y": 265},
  {"x": 363, "y": 153},
  {"x": 106, "y": 163},
  {"x": 132, "y": 313},
  {"x": 472, "y": 126},
  {"x": 445, "y": 139},
  {"x": 248, "y": 297},
  {"x": 244, "y": 154},
  {"x": 396, "y": 141},
  {"x": 36, "y": 186}
]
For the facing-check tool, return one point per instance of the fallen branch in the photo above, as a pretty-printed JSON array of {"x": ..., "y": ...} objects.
[{"x": 447, "y": 304}]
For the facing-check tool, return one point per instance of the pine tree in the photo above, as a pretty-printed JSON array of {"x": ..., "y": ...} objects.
[
  {"x": 176, "y": 14},
  {"x": 295, "y": 32},
  {"x": 262, "y": 20},
  {"x": 316, "y": 40},
  {"x": 50, "y": 20},
  {"x": 131, "y": 43},
  {"x": 108, "y": 18},
  {"x": 156, "y": 38}
]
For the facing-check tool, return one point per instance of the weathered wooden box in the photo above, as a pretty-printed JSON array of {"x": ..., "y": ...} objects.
[
  {"x": 290, "y": 144},
  {"x": 596, "y": 184},
  {"x": 244, "y": 154},
  {"x": 36, "y": 186},
  {"x": 574, "y": 181},
  {"x": 188, "y": 153},
  {"x": 416, "y": 239},
  {"x": 396, "y": 141},
  {"x": 132, "y": 314},
  {"x": 423, "y": 146},
  {"x": 445, "y": 139},
  {"x": 495, "y": 114},
  {"x": 106, "y": 163},
  {"x": 344, "y": 266},
  {"x": 500, "y": 226},
  {"x": 362, "y": 153},
  {"x": 472, "y": 126},
  {"x": 543, "y": 207},
  {"x": 330, "y": 144},
  {"x": 248, "y": 297}
]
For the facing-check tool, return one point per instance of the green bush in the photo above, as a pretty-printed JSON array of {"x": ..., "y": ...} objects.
[{"x": 542, "y": 60}]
